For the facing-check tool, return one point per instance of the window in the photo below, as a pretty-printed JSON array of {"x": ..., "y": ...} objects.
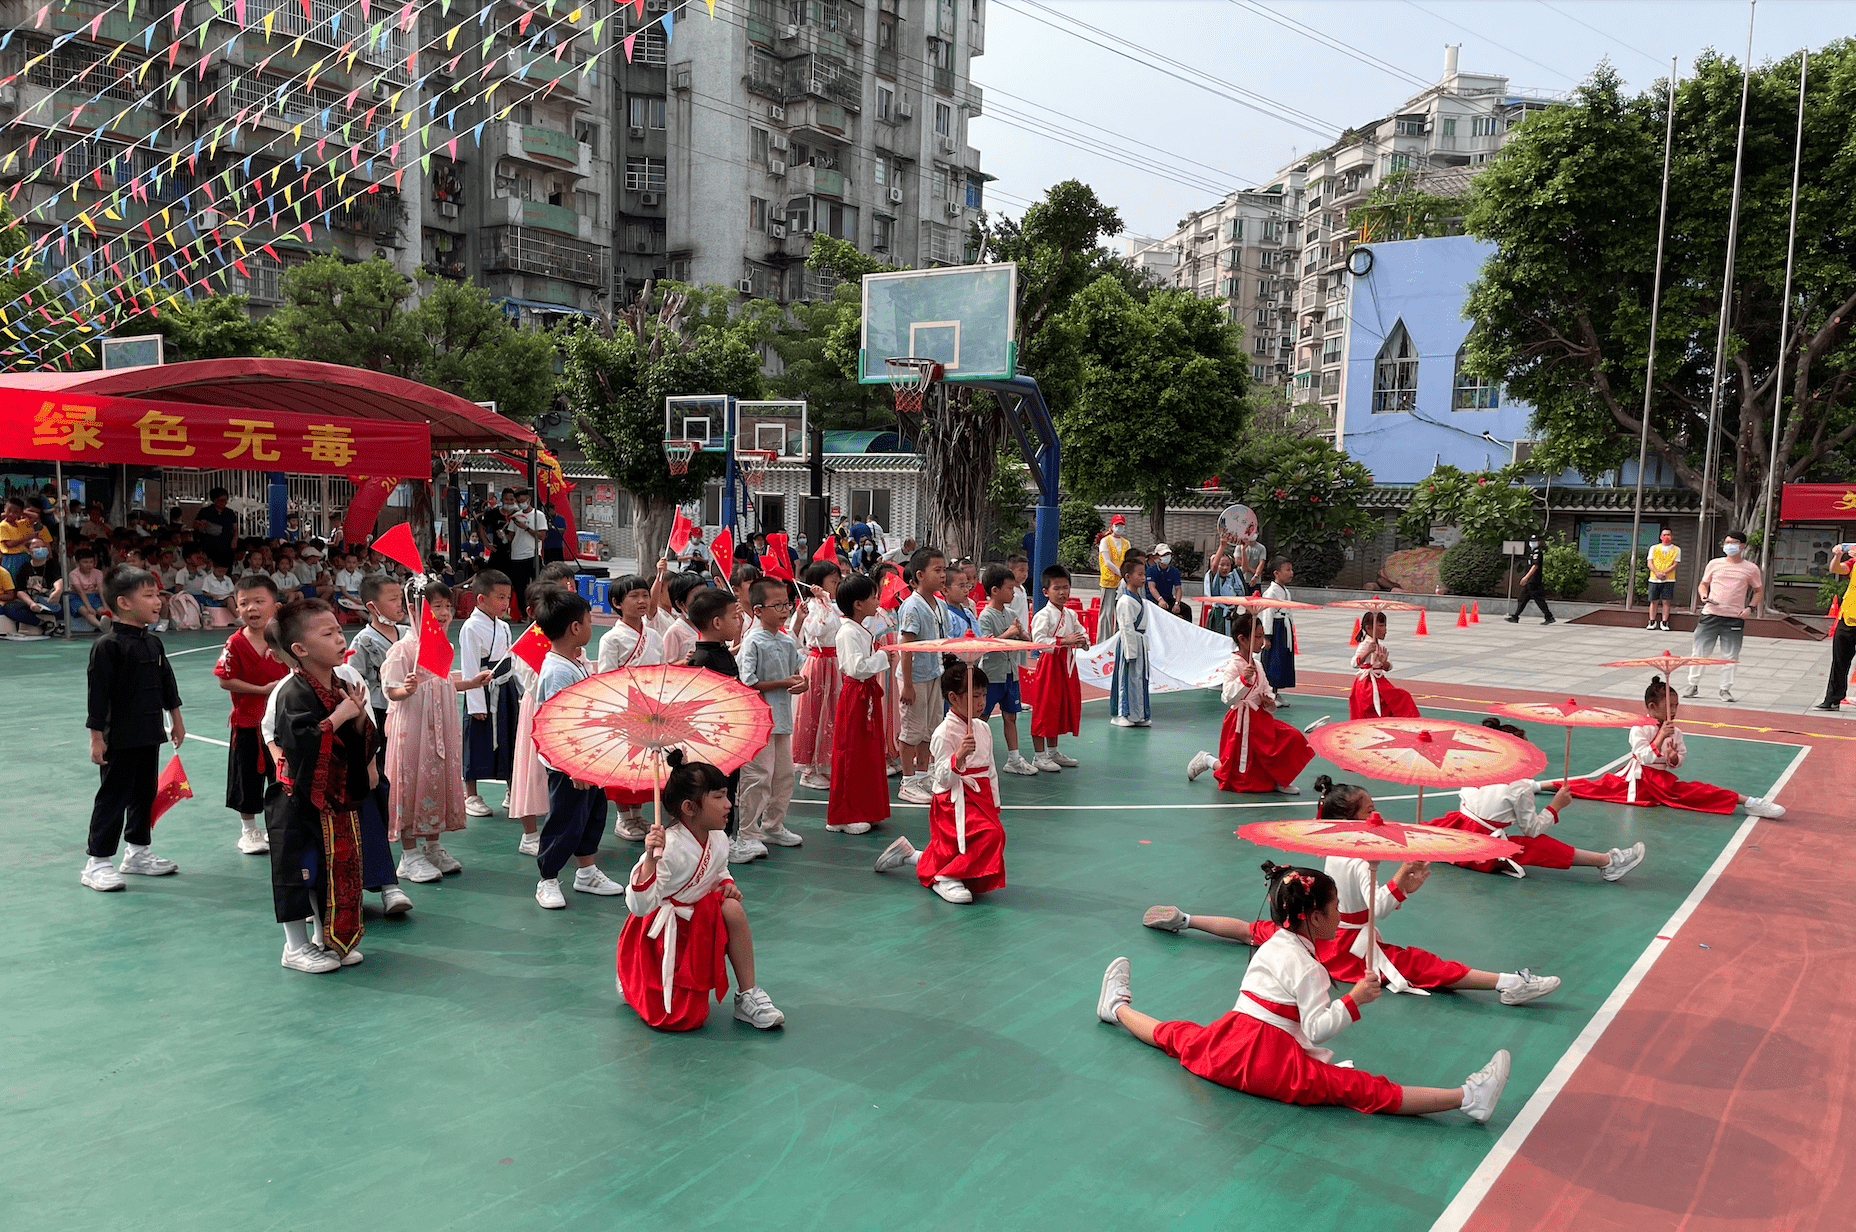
[
  {"x": 1484, "y": 126},
  {"x": 885, "y": 103},
  {"x": 1234, "y": 230},
  {"x": 1263, "y": 286},
  {"x": 770, "y": 511},
  {"x": 586, "y": 132},
  {"x": 757, "y": 213},
  {"x": 1473, "y": 393},
  {"x": 1395, "y": 374},
  {"x": 835, "y": 219},
  {"x": 1262, "y": 345},
  {"x": 880, "y": 169},
  {"x": 939, "y": 191},
  {"x": 1330, "y": 350},
  {"x": 651, "y": 46},
  {"x": 587, "y": 203},
  {"x": 1256, "y": 372},
  {"x": 1448, "y": 128},
  {"x": 1263, "y": 316},
  {"x": 798, "y": 215},
  {"x": 1408, "y": 126},
  {"x": 939, "y": 243},
  {"x": 868, "y": 503},
  {"x": 645, "y": 174},
  {"x": 645, "y": 111},
  {"x": 941, "y": 55},
  {"x": 943, "y": 120},
  {"x": 879, "y": 233},
  {"x": 757, "y": 144}
]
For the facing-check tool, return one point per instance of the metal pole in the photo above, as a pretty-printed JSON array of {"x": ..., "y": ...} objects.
[
  {"x": 1649, "y": 367},
  {"x": 1727, "y": 295},
  {"x": 64, "y": 553},
  {"x": 1785, "y": 317}
]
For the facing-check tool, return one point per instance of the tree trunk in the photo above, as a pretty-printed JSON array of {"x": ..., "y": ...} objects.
[
  {"x": 960, "y": 443},
  {"x": 651, "y": 519},
  {"x": 1156, "y": 519}
]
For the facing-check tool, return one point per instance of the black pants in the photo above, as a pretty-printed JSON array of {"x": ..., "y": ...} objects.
[
  {"x": 1842, "y": 650},
  {"x": 1533, "y": 592},
  {"x": 575, "y": 824},
  {"x": 125, "y": 799},
  {"x": 521, "y": 573}
]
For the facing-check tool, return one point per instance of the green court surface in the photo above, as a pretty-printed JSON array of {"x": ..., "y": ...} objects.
[{"x": 941, "y": 1066}]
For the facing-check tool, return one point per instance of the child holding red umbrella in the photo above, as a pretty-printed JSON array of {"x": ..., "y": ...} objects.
[
  {"x": 1256, "y": 750},
  {"x": 1373, "y": 696},
  {"x": 1656, "y": 749}
]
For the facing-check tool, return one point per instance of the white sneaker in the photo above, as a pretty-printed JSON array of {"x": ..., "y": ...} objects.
[
  {"x": 952, "y": 890},
  {"x": 1200, "y": 763},
  {"x": 439, "y": 858},
  {"x": 1652, "y": 626},
  {"x": 416, "y": 868},
  {"x": 1727, "y": 695},
  {"x": 393, "y": 901},
  {"x": 590, "y": 880},
  {"x": 1531, "y": 988},
  {"x": 1693, "y": 690},
  {"x": 530, "y": 845},
  {"x": 146, "y": 863},
  {"x": 1016, "y": 764},
  {"x": 1622, "y": 860},
  {"x": 754, "y": 1007},
  {"x": 818, "y": 782},
  {"x": 1484, "y": 1088},
  {"x": 475, "y": 807},
  {"x": 897, "y": 854},
  {"x": 915, "y": 790},
  {"x": 1508, "y": 868},
  {"x": 631, "y": 828},
  {"x": 1116, "y": 991},
  {"x": 1118, "y": 721},
  {"x": 780, "y": 836},
  {"x": 1288, "y": 789},
  {"x": 1166, "y": 919},
  {"x": 1046, "y": 764},
  {"x": 1063, "y": 759},
  {"x": 1140, "y": 723},
  {"x": 1666, "y": 628},
  {"x": 99, "y": 875},
  {"x": 548, "y": 893},
  {"x": 855, "y": 827},
  {"x": 253, "y": 841},
  {"x": 1756, "y": 806},
  {"x": 310, "y": 958},
  {"x": 894, "y": 768},
  {"x": 351, "y": 959},
  {"x": 744, "y": 850}
]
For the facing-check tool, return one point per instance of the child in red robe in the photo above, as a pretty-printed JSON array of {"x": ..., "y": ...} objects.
[
  {"x": 859, "y": 771},
  {"x": 1052, "y": 688},
  {"x": 1656, "y": 749},
  {"x": 1256, "y": 750},
  {"x": 1373, "y": 696}
]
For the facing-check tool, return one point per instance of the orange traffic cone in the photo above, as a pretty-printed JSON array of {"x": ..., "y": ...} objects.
[
  {"x": 1354, "y": 637},
  {"x": 1475, "y": 616},
  {"x": 1422, "y": 631},
  {"x": 1836, "y": 609},
  {"x": 1462, "y": 617}
]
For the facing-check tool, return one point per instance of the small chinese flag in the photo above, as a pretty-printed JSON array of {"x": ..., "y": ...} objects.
[
  {"x": 827, "y": 551},
  {"x": 435, "y": 653},
  {"x": 531, "y": 647},
  {"x": 681, "y": 528},
  {"x": 724, "y": 552},
  {"x": 892, "y": 591},
  {"x": 172, "y": 788},
  {"x": 397, "y": 545}
]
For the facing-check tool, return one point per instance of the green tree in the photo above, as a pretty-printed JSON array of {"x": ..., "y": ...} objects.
[
  {"x": 474, "y": 350},
  {"x": 1307, "y": 495},
  {"x": 1562, "y": 307},
  {"x": 1160, "y": 393},
  {"x": 215, "y": 327},
  {"x": 1487, "y": 506},
  {"x": 1400, "y": 208}
]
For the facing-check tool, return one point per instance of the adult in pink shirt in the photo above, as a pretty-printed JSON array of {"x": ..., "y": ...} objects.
[{"x": 1730, "y": 590}]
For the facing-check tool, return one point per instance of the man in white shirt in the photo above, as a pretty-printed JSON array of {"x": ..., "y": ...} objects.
[{"x": 525, "y": 528}]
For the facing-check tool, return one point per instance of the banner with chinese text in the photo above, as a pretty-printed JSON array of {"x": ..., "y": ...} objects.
[
  {"x": 1800, "y": 502},
  {"x": 138, "y": 431}
]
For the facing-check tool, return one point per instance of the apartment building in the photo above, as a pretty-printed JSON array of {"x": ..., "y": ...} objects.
[{"x": 1242, "y": 251}]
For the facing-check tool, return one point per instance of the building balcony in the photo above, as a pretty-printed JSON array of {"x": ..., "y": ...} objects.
[
  {"x": 825, "y": 78},
  {"x": 822, "y": 180},
  {"x": 976, "y": 37},
  {"x": 536, "y": 69},
  {"x": 542, "y": 147},
  {"x": 523, "y": 250},
  {"x": 811, "y": 117},
  {"x": 41, "y": 106},
  {"x": 537, "y": 216}
]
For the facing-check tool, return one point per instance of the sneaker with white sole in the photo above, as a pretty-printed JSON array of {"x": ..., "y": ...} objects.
[
  {"x": 1727, "y": 695},
  {"x": 1531, "y": 988},
  {"x": 1117, "y": 991},
  {"x": 1484, "y": 1088},
  {"x": 953, "y": 890},
  {"x": 1118, "y": 721},
  {"x": 1759, "y": 806},
  {"x": 894, "y": 856},
  {"x": 631, "y": 827},
  {"x": 1064, "y": 760},
  {"x": 143, "y": 862},
  {"x": 744, "y": 850},
  {"x": 1200, "y": 763},
  {"x": 1666, "y": 628},
  {"x": 548, "y": 893},
  {"x": 393, "y": 901},
  {"x": 101, "y": 875},
  {"x": 780, "y": 836},
  {"x": 415, "y": 867},
  {"x": 1288, "y": 789},
  {"x": 915, "y": 790},
  {"x": 1622, "y": 860},
  {"x": 854, "y": 827},
  {"x": 754, "y": 1007},
  {"x": 893, "y": 769},
  {"x": 1652, "y": 626},
  {"x": 590, "y": 880},
  {"x": 817, "y": 782},
  {"x": 252, "y": 840},
  {"x": 1046, "y": 764},
  {"x": 1016, "y": 764},
  {"x": 1508, "y": 868},
  {"x": 1693, "y": 690},
  {"x": 475, "y": 807},
  {"x": 351, "y": 959},
  {"x": 529, "y": 845},
  {"x": 312, "y": 959},
  {"x": 1166, "y": 919},
  {"x": 439, "y": 858}
]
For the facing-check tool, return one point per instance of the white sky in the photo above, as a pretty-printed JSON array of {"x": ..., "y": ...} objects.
[{"x": 1064, "y": 85}]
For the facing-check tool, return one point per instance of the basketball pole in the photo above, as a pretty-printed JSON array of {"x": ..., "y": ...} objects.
[
  {"x": 728, "y": 483},
  {"x": 1020, "y": 395}
]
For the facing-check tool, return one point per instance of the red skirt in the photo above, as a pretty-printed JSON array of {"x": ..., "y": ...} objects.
[
  {"x": 1249, "y": 1055},
  {"x": 1055, "y": 694},
  {"x": 702, "y": 948},
  {"x": 859, "y": 775},
  {"x": 818, "y": 705},
  {"x": 1394, "y": 702},
  {"x": 982, "y": 866},
  {"x": 1278, "y": 752},
  {"x": 1537, "y": 850},
  {"x": 1657, "y": 786},
  {"x": 1421, "y": 968},
  {"x": 619, "y": 795}
]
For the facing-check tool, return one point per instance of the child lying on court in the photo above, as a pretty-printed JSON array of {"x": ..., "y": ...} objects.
[{"x": 1656, "y": 749}]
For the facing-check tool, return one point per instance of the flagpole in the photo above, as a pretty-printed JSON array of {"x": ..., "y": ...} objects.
[
  {"x": 1649, "y": 368},
  {"x": 1727, "y": 295},
  {"x": 1785, "y": 316}
]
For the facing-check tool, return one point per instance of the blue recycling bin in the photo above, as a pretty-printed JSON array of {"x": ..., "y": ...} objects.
[
  {"x": 583, "y": 582},
  {"x": 600, "y": 601}
]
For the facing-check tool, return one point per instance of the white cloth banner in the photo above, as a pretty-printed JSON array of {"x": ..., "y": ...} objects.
[{"x": 1180, "y": 655}]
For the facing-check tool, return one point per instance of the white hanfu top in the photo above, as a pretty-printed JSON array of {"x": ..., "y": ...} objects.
[
  {"x": 1283, "y": 972},
  {"x": 689, "y": 870}
]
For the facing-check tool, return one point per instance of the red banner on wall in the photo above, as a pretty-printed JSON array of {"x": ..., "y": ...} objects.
[
  {"x": 1806, "y": 502},
  {"x": 139, "y": 431}
]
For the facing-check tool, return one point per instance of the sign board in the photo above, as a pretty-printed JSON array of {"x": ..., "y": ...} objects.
[
  {"x": 1514, "y": 547},
  {"x": 1826, "y": 501},
  {"x": 141, "y": 351},
  {"x": 1603, "y": 542}
]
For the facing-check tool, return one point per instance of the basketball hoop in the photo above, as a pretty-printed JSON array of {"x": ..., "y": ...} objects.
[
  {"x": 753, "y": 463},
  {"x": 910, "y": 379},
  {"x": 678, "y": 454}
]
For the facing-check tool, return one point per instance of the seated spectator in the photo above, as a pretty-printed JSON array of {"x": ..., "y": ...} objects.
[
  {"x": 96, "y": 526},
  {"x": 348, "y": 577},
  {"x": 27, "y": 600},
  {"x": 283, "y": 572},
  {"x": 86, "y": 585},
  {"x": 309, "y": 571},
  {"x": 17, "y": 535},
  {"x": 218, "y": 587}
]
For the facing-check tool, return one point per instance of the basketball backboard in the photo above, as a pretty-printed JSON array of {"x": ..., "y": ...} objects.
[
  {"x": 963, "y": 317},
  {"x": 779, "y": 426},
  {"x": 702, "y": 418}
]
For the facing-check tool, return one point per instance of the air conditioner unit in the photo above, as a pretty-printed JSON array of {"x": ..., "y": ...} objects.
[
  {"x": 905, "y": 108},
  {"x": 745, "y": 286},
  {"x": 649, "y": 198},
  {"x": 777, "y": 230},
  {"x": 447, "y": 209},
  {"x": 789, "y": 32},
  {"x": 776, "y": 167},
  {"x": 895, "y": 196},
  {"x": 637, "y": 130},
  {"x": 641, "y": 246},
  {"x": 949, "y": 145},
  {"x": 1522, "y": 451},
  {"x": 953, "y": 209},
  {"x": 779, "y": 142},
  {"x": 776, "y": 113},
  {"x": 9, "y": 95}
]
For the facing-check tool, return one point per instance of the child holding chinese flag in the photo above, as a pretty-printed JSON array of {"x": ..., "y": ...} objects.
[{"x": 425, "y": 740}]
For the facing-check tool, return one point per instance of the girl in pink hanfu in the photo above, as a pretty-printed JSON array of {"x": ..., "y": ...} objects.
[
  {"x": 425, "y": 748},
  {"x": 1373, "y": 696},
  {"x": 528, "y": 780},
  {"x": 817, "y": 624}
]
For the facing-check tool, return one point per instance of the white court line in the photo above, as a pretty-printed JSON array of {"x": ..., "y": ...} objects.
[
  {"x": 224, "y": 744},
  {"x": 1509, "y": 1144},
  {"x": 175, "y": 654}
]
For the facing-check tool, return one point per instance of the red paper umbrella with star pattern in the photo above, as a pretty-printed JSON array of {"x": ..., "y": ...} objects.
[
  {"x": 1427, "y": 753},
  {"x": 615, "y": 729},
  {"x": 1569, "y": 714}
]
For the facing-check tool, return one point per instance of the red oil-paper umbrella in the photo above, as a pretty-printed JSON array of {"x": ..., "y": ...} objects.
[
  {"x": 616, "y": 729},
  {"x": 1569, "y": 714},
  {"x": 1669, "y": 661},
  {"x": 1257, "y": 603}
]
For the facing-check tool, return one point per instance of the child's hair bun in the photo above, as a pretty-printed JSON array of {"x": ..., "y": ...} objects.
[
  {"x": 1321, "y": 784},
  {"x": 674, "y": 758}
]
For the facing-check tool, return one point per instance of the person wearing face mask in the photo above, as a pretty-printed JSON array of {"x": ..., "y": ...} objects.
[
  {"x": 1163, "y": 583},
  {"x": 525, "y": 528},
  {"x": 1532, "y": 587},
  {"x": 1730, "y": 591},
  {"x": 493, "y": 526}
]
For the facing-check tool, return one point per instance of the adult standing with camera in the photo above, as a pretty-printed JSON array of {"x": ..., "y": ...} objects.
[
  {"x": 1842, "y": 637},
  {"x": 525, "y": 528}
]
